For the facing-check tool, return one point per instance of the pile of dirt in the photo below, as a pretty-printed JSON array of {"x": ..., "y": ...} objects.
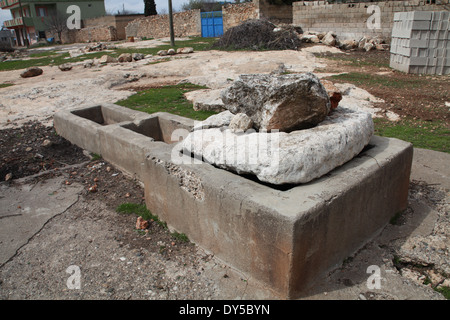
[
  {"x": 258, "y": 34},
  {"x": 34, "y": 148}
]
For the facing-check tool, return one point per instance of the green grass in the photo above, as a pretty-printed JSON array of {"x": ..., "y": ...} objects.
[
  {"x": 445, "y": 291},
  {"x": 166, "y": 99},
  {"x": 422, "y": 134},
  {"x": 361, "y": 79},
  {"x": 53, "y": 58},
  {"x": 140, "y": 210},
  {"x": 5, "y": 85}
]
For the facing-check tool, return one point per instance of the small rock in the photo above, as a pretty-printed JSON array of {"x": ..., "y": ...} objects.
[
  {"x": 187, "y": 50},
  {"x": 329, "y": 39},
  {"x": 171, "y": 52},
  {"x": 65, "y": 67},
  {"x": 138, "y": 56},
  {"x": 8, "y": 176},
  {"x": 46, "y": 143},
  {"x": 93, "y": 188},
  {"x": 382, "y": 46},
  {"x": 125, "y": 57},
  {"x": 28, "y": 149},
  {"x": 162, "y": 53},
  {"x": 333, "y": 92},
  {"x": 369, "y": 46},
  {"x": 241, "y": 123},
  {"x": 31, "y": 72},
  {"x": 107, "y": 59},
  {"x": 141, "y": 224}
]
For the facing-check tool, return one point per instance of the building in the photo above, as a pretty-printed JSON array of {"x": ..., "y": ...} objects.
[
  {"x": 6, "y": 38},
  {"x": 32, "y": 19}
]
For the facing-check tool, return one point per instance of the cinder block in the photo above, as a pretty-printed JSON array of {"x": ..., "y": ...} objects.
[{"x": 421, "y": 15}]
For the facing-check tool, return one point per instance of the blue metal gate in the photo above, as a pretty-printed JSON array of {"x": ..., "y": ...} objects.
[{"x": 212, "y": 24}]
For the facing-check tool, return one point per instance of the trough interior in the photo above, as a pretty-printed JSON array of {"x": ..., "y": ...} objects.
[
  {"x": 158, "y": 128},
  {"x": 102, "y": 115}
]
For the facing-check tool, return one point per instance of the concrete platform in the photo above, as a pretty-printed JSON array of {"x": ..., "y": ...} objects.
[{"x": 286, "y": 238}]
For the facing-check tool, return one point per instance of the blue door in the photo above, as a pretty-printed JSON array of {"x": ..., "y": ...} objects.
[{"x": 212, "y": 24}]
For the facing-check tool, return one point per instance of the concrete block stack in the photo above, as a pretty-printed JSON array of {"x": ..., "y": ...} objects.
[{"x": 420, "y": 42}]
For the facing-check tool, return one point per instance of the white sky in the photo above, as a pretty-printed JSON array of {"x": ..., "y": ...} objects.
[{"x": 112, "y": 6}]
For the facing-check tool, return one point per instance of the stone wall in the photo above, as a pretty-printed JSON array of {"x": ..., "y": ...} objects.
[
  {"x": 349, "y": 20},
  {"x": 118, "y": 21},
  {"x": 234, "y": 14},
  {"x": 273, "y": 13},
  {"x": 187, "y": 23}
]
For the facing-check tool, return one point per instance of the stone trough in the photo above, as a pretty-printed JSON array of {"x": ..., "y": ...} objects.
[{"x": 284, "y": 236}]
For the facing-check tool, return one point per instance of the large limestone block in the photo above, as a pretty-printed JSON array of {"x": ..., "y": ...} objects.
[
  {"x": 285, "y": 158},
  {"x": 278, "y": 102}
]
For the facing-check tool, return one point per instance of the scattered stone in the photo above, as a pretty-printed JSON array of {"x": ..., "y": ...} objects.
[
  {"x": 171, "y": 52},
  {"x": 284, "y": 102},
  {"x": 31, "y": 72},
  {"x": 334, "y": 93},
  {"x": 187, "y": 50},
  {"x": 369, "y": 46},
  {"x": 349, "y": 44},
  {"x": 162, "y": 53},
  {"x": 329, "y": 39},
  {"x": 138, "y": 56},
  {"x": 28, "y": 149},
  {"x": 141, "y": 224},
  {"x": 241, "y": 123},
  {"x": 88, "y": 63},
  {"x": 8, "y": 176},
  {"x": 215, "y": 121},
  {"x": 93, "y": 188},
  {"x": 65, "y": 67},
  {"x": 107, "y": 59},
  {"x": 125, "y": 57},
  {"x": 310, "y": 38},
  {"x": 382, "y": 46}
]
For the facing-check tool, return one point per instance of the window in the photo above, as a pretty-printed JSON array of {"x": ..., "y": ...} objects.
[{"x": 41, "y": 11}]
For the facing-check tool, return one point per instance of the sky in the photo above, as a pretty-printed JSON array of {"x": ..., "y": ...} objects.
[{"x": 112, "y": 6}]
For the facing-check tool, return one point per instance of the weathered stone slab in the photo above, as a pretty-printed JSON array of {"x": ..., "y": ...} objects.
[
  {"x": 278, "y": 102},
  {"x": 285, "y": 158}
]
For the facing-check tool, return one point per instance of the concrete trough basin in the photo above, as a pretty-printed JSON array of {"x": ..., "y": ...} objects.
[{"x": 286, "y": 238}]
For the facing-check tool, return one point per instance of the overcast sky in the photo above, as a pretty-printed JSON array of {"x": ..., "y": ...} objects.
[{"x": 112, "y": 6}]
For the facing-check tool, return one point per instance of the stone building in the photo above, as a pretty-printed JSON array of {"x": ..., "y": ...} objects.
[{"x": 31, "y": 19}]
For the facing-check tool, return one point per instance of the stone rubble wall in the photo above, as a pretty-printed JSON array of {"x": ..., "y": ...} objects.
[
  {"x": 235, "y": 14},
  {"x": 274, "y": 13},
  {"x": 90, "y": 34},
  {"x": 349, "y": 20},
  {"x": 187, "y": 23}
]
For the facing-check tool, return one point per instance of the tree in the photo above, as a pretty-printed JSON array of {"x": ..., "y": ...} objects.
[
  {"x": 57, "y": 23},
  {"x": 150, "y": 8}
]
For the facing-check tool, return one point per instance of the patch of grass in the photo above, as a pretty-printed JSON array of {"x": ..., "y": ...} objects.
[
  {"x": 53, "y": 58},
  {"x": 445, "y": 291},
  {"x": 166, "y": 99},
  {"x": 422, "y": 134},
  {"x": 5, "y": 85},
  {"x": 374, "y": 80},
  {"x": 46, "y": 53},
  {"x": 180, "y": 237},
  {"x": 395, "y": 220},
  {"x": 140, "y": 210},
  {"x": 95, "y": 156}
]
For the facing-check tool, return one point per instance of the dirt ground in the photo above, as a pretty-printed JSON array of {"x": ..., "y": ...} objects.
[
  {"x": 420, "y": 97},
  {"x": 119, "y": 262}
]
